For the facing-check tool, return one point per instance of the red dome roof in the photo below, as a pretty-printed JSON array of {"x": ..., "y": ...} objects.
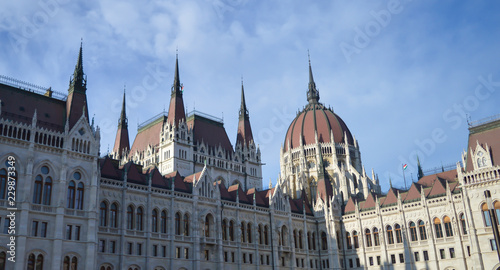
[{"x": 316, "y": 117}]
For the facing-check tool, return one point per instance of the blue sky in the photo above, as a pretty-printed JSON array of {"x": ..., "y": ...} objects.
[{"x": 403, "y": 75}]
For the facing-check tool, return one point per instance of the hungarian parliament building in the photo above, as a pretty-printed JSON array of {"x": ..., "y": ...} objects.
[{"x": 182, "y": 196}]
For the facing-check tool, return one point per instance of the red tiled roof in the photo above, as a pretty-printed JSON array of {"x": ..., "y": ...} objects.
[
  {"x": 148, "y": 136},
  {"x": 109, "y": 168},
  {"x": 413, "y": 193},
  {"x": 428, "y": 180},
  {"x": 210, "y": 132},
  {"x": 190, "y": 178},
  {"x": 438, "y": 188},
  {"x": 484, "y": 134},
  {"x": 134, "y": 173},
  {"x": 391, "y": 197},
  {"x": 369, "y": 202},
  {"x": 19, "y": 105},
  {"x": 350, "y": 206}
]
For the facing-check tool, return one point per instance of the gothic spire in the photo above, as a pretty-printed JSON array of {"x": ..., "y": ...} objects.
[
  {"x": 123, "y": 121},
  {"x": 176, "y": 111},
  {"x": 122, "y": 143},
  {"x": 79, "y": 82},
  {"x": 312, "y": 93},
  {"x": 244, "y": 135},
  {"x": 420, "y": 172},
  {"x": 76, "y": 103}
]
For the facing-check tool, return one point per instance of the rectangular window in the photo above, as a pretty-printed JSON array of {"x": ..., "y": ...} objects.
[
  {"x": 178, "y": 252},
  {"x": 139, "y": 248},
  {"x": 77, "y": 233},
  {"x": 130, "y": 248},
  {"x": 6, "y": 226},
  {"x": 186, "y": 253},
  {"x": 250, "y": 259},
  {"x": 34, "y": 228},
  {"x": 297, "y": 262},
  {"x": 282, "y": 261},
  {"x": 155, "y": 250},
  {"x": 43, "y": 229},
  {"x": 417, "y": 256},
  {"x": 468, "y": 250},
  {"x": 357, "y": 262},
  {"x": 225, "y": 258},
  {"x": 493, "y": 244},
  {"x": 164, "y": 251},
  {"x": 378, "y": 260},
  {"x": 426, "y": 255},
  {"x": 393, "y": 258},
  {"x": 370, "y": 260},
  {"x": 207, "y": 255},
  {"x": 232, "y": 256},
  {"x": 68, "y": 232},
  {"x": 401, "y": 258},
  {"x": 244, "y": 258},
  {"x": 452, "y": 253},
  {"x": 351, "y": 265},
  {"x": 102, "y": 245},
  {"x": 112, "y": 246},
  {"x": 442, "y": 254},
  {"x": 302, "y": 262},
  {"x": 267, "y": 259}
]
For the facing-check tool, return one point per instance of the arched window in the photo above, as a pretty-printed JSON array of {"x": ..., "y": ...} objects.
[
  {"x": 224, "y": 230},
  {"x": 103, "y": 214},
  {"x": 186, "y": 225},
  {"x": 71, "y": 194},
  {"x": 163, "y": 222},
  {"x": 242, "y": 227},
  {"x": 399, "y": 238},
  {"x": 463, "y": 224},
  {"x": 139, "y": 219},
  {"x": 231, "y": 230},
  {"x": 178, "y": 223},
  {"x": 421, "y": 229},
  {"x": 70, "y": 263},
  {"x": 3, "y": 258},
  {"x": 339, "y": 242},
  {"x": 3, "y": 183},
  {"x": 113, "y": 219},
  {"x": 355, "y": 239},
  {"x": 31, "y": 262},
  {"x": 486, "y": 215},
  {"x": 154, "y": 221},
  {"x": 104, "y": 267},
  {"x": 313, "y": 186},
  {"x": 249, "y": 232},
  {"x": 35, "y": 262},
  {"x": 390, "y": 235},
  {"x": 79, "y": 197},
  {"x": 266, "y": 235},
  {"x": 259, "y": 232},
  {"x": 47, "y": 191},
  {"x": 314, "y": 240},
  {"x": 376, "y": 239},
  {"x": 437, "y": 227},
  {"x": 368, "y": 237},
  {"x": 207, "y": 226},
  {"x": 295, "y": 238},
  {"x": 37, "y": 191},
  {"x": 348, "y": 240},
  {"x": 130, "y": 217},
  {"x": 66, "y": 263},
  {"x": 300, "y": 239},
  {"x": 284, "y": 236},
  {"x": 497, "y": 210},
  {"x": 324, "y": 241},
  {"x": 447, "y": 226},
  {"x": 413, "y": 231},
  {"x": 74, "y": 263}
]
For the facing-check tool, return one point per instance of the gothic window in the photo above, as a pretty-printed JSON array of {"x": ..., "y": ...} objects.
[
  {"x": 284, "y": 235},
  {"x": 35, "y": 262},
  {"x": 79, "y": 196},
  {"x": 3, "y": 183},
  {"x": 186, "y": 224},
  {"x": 103, "y": 214},
  {"x": 295, "y": 238},
  {"x": 348, "y": 240},
  {"x": 399, "y": 237},
  {"x": 368, "y": 238},
  {"x": 355, "y": 239},
  {"x": 3, "y": 258},
  {"x": 249, "y": 233},
  {"x": 139, "y": 219},
  {"x": 300, "y": 239},
  {"x": 224, "y": 230},
  {"x": 497, "y": 210},
  {"x": 376, "y": 239},
  {"x": 163, "y": 222},
  {"x": 390, "y": 235},
  {"x": 413, "y": 231},
  {"x": 437, "y": 227},
  {"x": 242, "y": 227},
  {"x": 47, "y": 191},
  {"x": 177, "y": 223},
  {"x": 70, "y": 263},
  {"x": 486, "y": 215},
  {"x": 313, "y": 186},
  {"x": 324, "y": 241},
  {"x": 130, "y": 217},
  {"x": 71, "y": 194},
  {"x": 231, "y": 230},
  {"x": 421, "y": 228},
  {"x": 43, "y": 187},
  {"x": 154, "y": 221},
  {"x": 207, "y": 225},
  {"x": 113, "y": 219},
  {"x": 266, "y": 235},
  {"x": 37, "y": 192},
  {"x": 447, "y": 226}
]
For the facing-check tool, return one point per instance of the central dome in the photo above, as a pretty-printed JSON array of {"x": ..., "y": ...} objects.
[{"x": 316, "y": 117}]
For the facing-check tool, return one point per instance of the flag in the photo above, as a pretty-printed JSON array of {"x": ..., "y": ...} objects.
[
  {"x": 182, "y": 87},
  {"x": 405, "y": 166}
]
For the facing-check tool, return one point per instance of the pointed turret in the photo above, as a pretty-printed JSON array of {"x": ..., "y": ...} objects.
[
  {"x": 312, "y": 92},
  {"x": 176, "y": 112},
  {"x": 420, "y": 172},
  {"x": 122, "y": 144},
  {"x": 76, "y": 103},
  {"x": 244, "y": 136}
]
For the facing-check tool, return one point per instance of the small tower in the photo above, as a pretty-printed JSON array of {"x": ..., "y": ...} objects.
[
  {"x": 122, "y": 144},
  {"x": 176, "y": 112},
  {"x": 76, "y": 104},
  {"x": 312, "y": 93},
  {"x": 244, "y": 136}
]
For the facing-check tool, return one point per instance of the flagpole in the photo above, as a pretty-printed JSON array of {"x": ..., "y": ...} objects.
[{"x": 404, "y": 178}]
